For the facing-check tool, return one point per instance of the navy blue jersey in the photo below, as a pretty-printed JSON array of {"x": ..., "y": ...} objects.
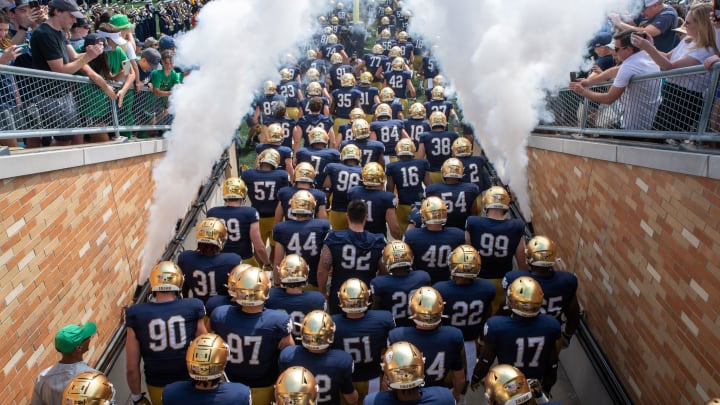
[
  {"x": 237, "y": 222},
  {"x": 386, "y": 43},
  {"x": 408, "y": 176},
  {"x": 267, "y": 104},
  {"x": 442, "y": 348},
  {"x": 496, "y": 241},
  {"x": 164, "y": 331},
  {"x": 288, "y": 125},
  {"x": 319, "y": 158},
  {"x": 304, "y": 238},
  {"x": 218, "y": 301},
  {"x": 475, "y": 172},
  {"x": 207, "y": 276},
  {"x": 319, "y": 64},
  {"x": 378, "y": 202},
  {"x": 346, "y": 98},
  {"x": 284, "y": 151},
  {"x": 465, "y": 304},
  {"x": 286, "y": 193},
  {"x": 432, "y": 249},
  {"x": 309, "y": 121},
  {"x": 438, "y": 147},
  {"x": 344, "y": 132},
  {"x": 252, "y": 341},
  {"x": 428, "y": 396},
  {"x": 430, "y": 68},
  {"x": 396, "y": 107},
  {"x": 394, "y": 291},
  {"x": 371, "y": 150},
  {"x": 443, "y": 106},
  {"x": 305, "y": 105},
  {"x": 364, "y": 339},
  {"x": 296, "y": 305},
  {"x": 386, "y": 63},
  {"x": 415, "y": 218},
  {"x": 330, "y": 49},
  {"x": 332, "y": 371},
  {"x": 367, "y": 97},
  {"x": 354, "y": 255},
  {"x": 389, "y": 133},
  {"x": 342, "y": 178},
  {"x": 397, "y": 80},
  {"x": 263, "y": 186},
  {"x": 526, "y": 343},
  {"x": 373, "y": 62},
  {"x": 227, "y": 393},
  {"x": 389, "y": 27},
  {"x": 336, "y": 72},
  {"x": 559, "y": 289},
  {"x": 289, "y": 90},
  {"x": 414, "y": 128},
  {"x": 459, "y": 198},
  {"x": 407, "y": 49}
]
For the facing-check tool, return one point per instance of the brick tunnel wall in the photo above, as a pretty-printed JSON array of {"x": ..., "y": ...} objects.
[
  {"x": 70, "y": 249},
  {"x": 645, "y": 246}
]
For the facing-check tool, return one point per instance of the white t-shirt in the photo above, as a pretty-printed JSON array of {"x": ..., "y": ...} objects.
[
  {"x": 52, "y": 381},
  {"x": 641, "y": 99},
  {"x": 697, "y": 82}
]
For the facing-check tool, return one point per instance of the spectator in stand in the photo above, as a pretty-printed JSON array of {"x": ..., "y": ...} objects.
[
  {"x": 9, "y": 97},
  {"x": 604, "y": 47},
  {"x": 25, "y": 20},
  {"x": 151, "y": 42},
  {"x": 657, "y": 20},
  {"x": 163, "y": 81},
  {"x": 78, "y": 32},
  {"x": 150, "y": 60}
]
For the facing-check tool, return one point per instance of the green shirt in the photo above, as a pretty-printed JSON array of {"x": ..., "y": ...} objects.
[{"x": 165, "y": 83}]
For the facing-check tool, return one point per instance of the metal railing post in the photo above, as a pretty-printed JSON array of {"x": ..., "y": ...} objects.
[{"x": 708, "y": 102}]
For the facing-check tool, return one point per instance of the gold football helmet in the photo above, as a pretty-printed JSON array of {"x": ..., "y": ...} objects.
[
  {"x": 285, "y": 74},
  {"x": 373, "y": 174},
  {"x": 252, "y": 287},
  {"x": 360, "y": 129},
  {"x": 302, "y": 203},
  {"x": 166, "y": 276},
  {"x": 383, "y": 110},
  {"x": 398, "y": 63},
  {"x": 234, "y": 188},
  {"x": 269, "y": 156},
  {"x": 327, "y": 30},
  {"x": 525, "y": 297},
  {"x": 437, "y": 93},
  {"x": 504, "y": 384},
  {"x": 384, "y": 20},
  {"x": 465, "y": 262},
  {"x": 461, "y": 147},
  {"x": 417, "y": 111},
  {"x": 318, "y": 330},
  {"x": 541, "y": 252},
  {"x": 366, "y": 78},
  {"x": 314, "y": 89},
  {"x": 397, "y": 254},
  {"x": 438, "y": 119},
  {"x": 354, "y": 296},
  {"x": 318, "y": 135},
  {"x": 395, "y": 52},
  {"x": 233, "y": 277},
  {"x": 405, "y": 147},
  {"x": 452, "y": 169},
  {"x": 402, "y": 36},
  {"x": 388, "y": 10},
  {"x": 439, "y": 80},
  {"x": 350, "y": 152},
  {"x": 332, "y": 39},
  {"x": 269, "y": 88},
  {"x": 496, "y": 197},
  {"x": 334, "y": 20},
  {"x": 311, "y": 54},
  {"x": 206, "y": 357},
  {"x": 304, "y": 173},
  {"x": 275, "y": 133},
  {"x": 385, "y": 34},
  {"x": 377, "y": 49},
  {"x": 322, "y": 19},
  {"x": 433, "y": 211},
  {"x": 312, "y": 74},
  {"x": 293, "y": 269},
  {"x": 296, "y": 386},
  {"x": 347, "y": 80},
  {"x": 403, "y": 366},
  {"x": 387, "y": 95},
  {"x": 211, "y": 231},
  {"x": 426, "y": 307},
  {"x": 335, "y": 58},
  {"x": 356, "y": 113},
  {"x": 89, "y": 388}
]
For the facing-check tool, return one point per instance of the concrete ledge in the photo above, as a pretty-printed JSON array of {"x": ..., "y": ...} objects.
[
  {"x": 680, "y": 162},
  {"x": 546, "y": 142},
  {"x": 599, "y": 151},
  {"x": 714, "y": 167}
]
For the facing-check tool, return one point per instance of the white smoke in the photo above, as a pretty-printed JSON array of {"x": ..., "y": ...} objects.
[
  {"x": 500, "y": 56},
  {"x": 235, "y": 46}
]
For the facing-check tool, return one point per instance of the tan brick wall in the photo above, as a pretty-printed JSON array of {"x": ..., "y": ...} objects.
[
  {"x": 645, "y": 245},
  {"x": 70, "y": 247}
]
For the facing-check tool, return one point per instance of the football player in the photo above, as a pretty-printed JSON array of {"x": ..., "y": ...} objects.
[
  {"x": 369, "y": 95},
  {"x": 350, "y": 253},
  {"x": 89, "y": 387},
  {"x": 467, "y": 300},
  {"x": 344, "y": 132},
  {"x": 400, "y": 81},
  {"x": 372, "y": 63},
  {"x": 430, "y": 70},
  {"x": 384, "y": 24},
  {"x": 334, "y": 48},
  {"x": 220, "y": 300},
  {"x": 255, "y": 335},
  {"x": 526, "y": 339},
  {"x": 380, "y": 203},
  {"x": 505, "y": 385},
  {"x": 438, "y": 102},
  {"x": 388, "y": 131},
  {"x": 301, "y": 234},
  {"x": 391, "y": 291},
  {"x": 385, "y": 40},
  {"x": 206, "y": 269},
  {"x": 273, "y": 139},
  {"x": 296, "y": 386},
  {"x": 318, "y": 153},
  {"x": 441, "y": 345},
  {"x": 404, "y": 372},
  {"x": 332, "y": 368},
  {"x": 372, "y": 150},
  {"x": 304, "y": 180},
  {"x": 337, "y": 69},
  {"x": 287, "y": 124},
  {"x": 310, "y": 121},
  {"x": 290, "y": 89},
  {"x": 387, "y": 96},
  {"x": 559, "y": 287},
  {"x": 160, "y": 332},
  {"x": 206, "y": 360},
  {"x": 291, "y": 296},
  {"x": 241, "y": 223},
  {"x": 406, "y": 177},
  {"x": 460, "y": 198},
  {"x": 407, "y": 47},
  {"x": 436, "y": 145},
  {"x": 362, "y": 333},
  {"x": 339, "y": 178},
  {"x": 344, "y": 99},
  {"x": 264, "y": 105},
  {"x": 313, "y": 90},
  {"x": 497, "y": 239},
  {"x": 474, "y": 173},
  {"x": 434, "y": 241},
  {"x": 416, "y": 124}
]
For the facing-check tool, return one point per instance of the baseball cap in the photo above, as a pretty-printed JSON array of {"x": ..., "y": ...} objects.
[
  {"x": 92, "y": 39},
  {"x": 603, "y": 39},
  {"x": 81, "y": 22},
  {"x": 649, "y": 3},
  {"x": 121, "y": 21},
  {"x": 149, "y": 42},
  {"x": 69, "y": 337},
  {"x": 167, "y": 42},
  {"x": 19, "y": 3},
  {"x": 152, "y": 55},
  {"x": 67, "y": 5}
]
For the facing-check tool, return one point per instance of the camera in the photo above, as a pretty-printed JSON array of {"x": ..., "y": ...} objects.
[{"x": 34, "y": 4}]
